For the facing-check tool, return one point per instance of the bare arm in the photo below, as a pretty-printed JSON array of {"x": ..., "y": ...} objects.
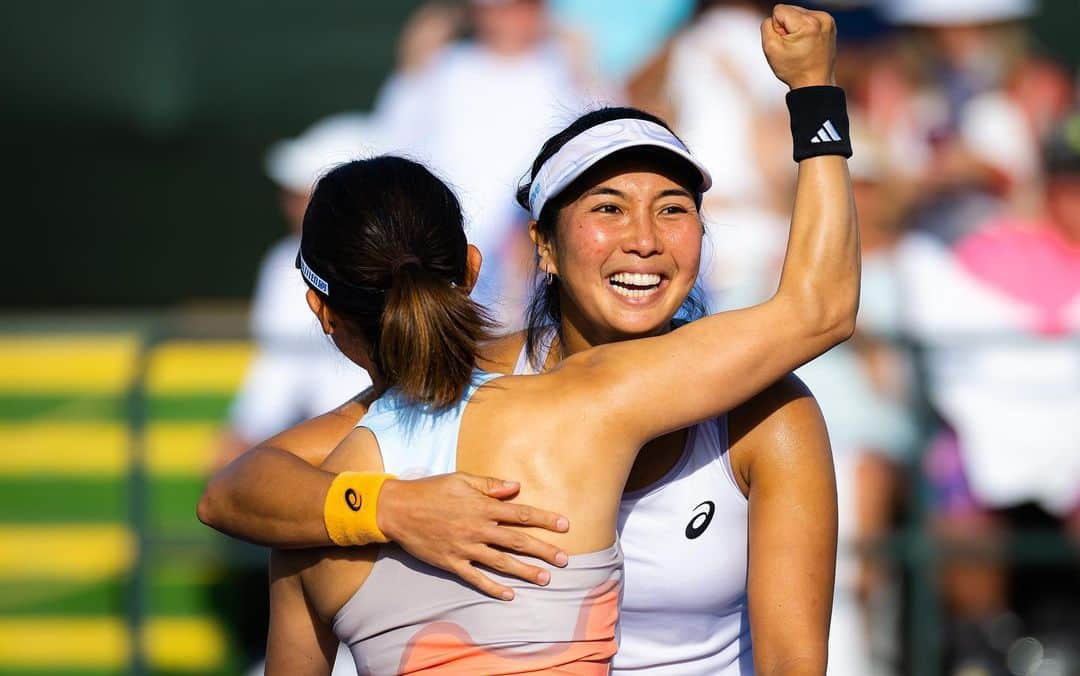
[
  {"x": 299, "y": 643},
  {"x": 781, "y": 447},
  {"x": 460, "y": 527},
  {"x": 274, "y": 495},
  {"x": 715, "y": 363}
]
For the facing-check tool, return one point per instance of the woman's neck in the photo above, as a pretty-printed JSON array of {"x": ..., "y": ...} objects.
[{"x": 577, "y": 335}]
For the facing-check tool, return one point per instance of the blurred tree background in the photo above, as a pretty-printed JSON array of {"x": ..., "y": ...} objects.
[{"x": 132, "y": 134}]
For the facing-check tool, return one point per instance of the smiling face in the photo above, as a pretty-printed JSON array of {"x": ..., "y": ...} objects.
[{"x": 626, "y": 248}]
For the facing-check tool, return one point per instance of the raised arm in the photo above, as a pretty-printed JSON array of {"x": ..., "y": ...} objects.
[{"x": 718, "y": 362}]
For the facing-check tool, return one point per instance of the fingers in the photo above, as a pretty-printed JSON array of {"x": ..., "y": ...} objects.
[
  {"x": 524, "y": 515},
  {"x": 500, "y": 562},
  {"x": 520, "y": 515},
  {"x": 490, "y": 486},
  {"x": 789, "y": 19},
  {"x": 474, "y": 578},
  {"x": 510, "y": 565},
  {"x": 522, "y": 543}
]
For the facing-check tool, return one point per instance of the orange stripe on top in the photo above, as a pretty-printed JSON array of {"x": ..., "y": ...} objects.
[{"x": 446, "y": 648}]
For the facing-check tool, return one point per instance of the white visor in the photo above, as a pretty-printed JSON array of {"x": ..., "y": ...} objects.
[{"x": 596, "y": 143}]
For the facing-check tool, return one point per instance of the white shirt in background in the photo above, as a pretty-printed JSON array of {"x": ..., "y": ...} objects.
[{"x": 478, "y": 119}]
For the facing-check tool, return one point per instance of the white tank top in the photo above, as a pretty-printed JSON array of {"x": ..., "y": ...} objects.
[{"x": 684, "y": 541}]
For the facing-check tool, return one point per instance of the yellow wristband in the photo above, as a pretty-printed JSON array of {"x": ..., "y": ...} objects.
[{"x": 349, "y": 512}]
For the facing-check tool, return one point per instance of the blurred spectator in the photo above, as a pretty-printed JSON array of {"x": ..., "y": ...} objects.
[
  {"x": 296, "y": 372},
  {"x": 617, "y": 42},
  {"x": 999, "y": 312},
  {"x": 712, "y": 82},
  {"x": 965, "y": 114},
  {"x": 476, "y": 111}
]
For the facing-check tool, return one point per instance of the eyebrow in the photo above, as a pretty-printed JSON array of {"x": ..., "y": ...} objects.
[
  {"x": 670, "y": 192},
  {"x": 601, "y": 190},
  {"x": 676, "y": 192}
]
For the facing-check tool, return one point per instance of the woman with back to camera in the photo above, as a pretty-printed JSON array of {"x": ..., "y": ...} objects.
[{"x": 700, "y": 554}]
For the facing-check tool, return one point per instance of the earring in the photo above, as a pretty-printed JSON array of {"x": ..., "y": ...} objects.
[{"x": 549, "y": 279}]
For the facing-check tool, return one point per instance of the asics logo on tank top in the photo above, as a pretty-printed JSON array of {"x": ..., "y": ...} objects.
[{"x": 701, "y": 520}]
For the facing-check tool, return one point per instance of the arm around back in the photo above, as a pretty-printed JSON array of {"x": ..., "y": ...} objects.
[{"x": 273, "y": 494}]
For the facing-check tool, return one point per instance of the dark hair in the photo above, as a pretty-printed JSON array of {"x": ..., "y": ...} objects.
[
  {"x": 544, "y": 311},
  {"x": 390, "y": 232}
]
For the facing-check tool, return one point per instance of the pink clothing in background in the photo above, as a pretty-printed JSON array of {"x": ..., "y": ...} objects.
[{"x": 1029, "y": 262}]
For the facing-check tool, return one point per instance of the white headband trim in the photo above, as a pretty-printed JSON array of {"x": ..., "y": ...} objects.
[
  {"x": 594, "y": 144},
  {"x": 313, "y": 279}
]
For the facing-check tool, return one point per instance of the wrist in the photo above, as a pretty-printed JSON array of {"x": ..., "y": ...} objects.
[
  {"x": 389, "y": 496},
  {"x": 351, "y": 506},
  {"x": 800, "y": 83},
  {"x": 819, "y": 122}
]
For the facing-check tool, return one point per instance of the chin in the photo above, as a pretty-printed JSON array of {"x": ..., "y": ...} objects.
[{"x": 640, "y": 326}]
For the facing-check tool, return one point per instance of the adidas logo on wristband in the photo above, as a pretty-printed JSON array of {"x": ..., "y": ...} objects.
[
  {"x": 827, "y": 133},
  {"x": 810, "y": 137}
]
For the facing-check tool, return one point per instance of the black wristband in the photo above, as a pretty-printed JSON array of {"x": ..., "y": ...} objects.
[{"x": 819, "y": 122}]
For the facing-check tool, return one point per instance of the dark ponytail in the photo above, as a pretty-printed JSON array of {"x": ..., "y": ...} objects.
[
  {"x": 388, "y": 234},
  {"x": 430, "y": 334}
]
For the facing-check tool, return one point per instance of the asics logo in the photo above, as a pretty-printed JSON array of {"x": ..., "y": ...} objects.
[
  {"x": 701, "y": 520},
  {"x": 353, "y": 500}
]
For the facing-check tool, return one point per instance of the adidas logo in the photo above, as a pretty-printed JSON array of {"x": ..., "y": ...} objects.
[{"x": 826, "y": 134}]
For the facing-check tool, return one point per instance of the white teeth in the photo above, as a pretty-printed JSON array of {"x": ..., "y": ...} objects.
[
  {"x": 633, "y": 293},
  {"x": 636, "y": 278}
]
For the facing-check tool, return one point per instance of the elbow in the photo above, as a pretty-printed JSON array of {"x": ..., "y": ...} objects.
[
  {"x": 825, "y": 320},
  {"x": 836, "y": 313},
  {"x": 842, "y": 326},
  {"x": 208, "y": 508}
]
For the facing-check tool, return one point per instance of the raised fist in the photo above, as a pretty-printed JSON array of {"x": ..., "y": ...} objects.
[{"x": 800, "y": 46}]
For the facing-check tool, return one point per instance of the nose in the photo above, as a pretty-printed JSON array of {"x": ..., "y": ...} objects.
[{"x": 643, "y": 236}]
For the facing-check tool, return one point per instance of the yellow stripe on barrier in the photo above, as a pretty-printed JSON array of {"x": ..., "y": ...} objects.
[
  {"x": 95, "y": 450},
  {"x": 189, "y": 367},
  {"x": 180, "y": 448},
  {"x": 47, "y": 364},
  {"x": 177, "y": 643},
  {"x": 57, "y": 643},
  {"x": 69, "y": 552},
  {"x": 64, "y": 449},
  {"x": 184, "y": 643}
]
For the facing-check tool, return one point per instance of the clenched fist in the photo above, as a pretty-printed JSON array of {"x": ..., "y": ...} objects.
[{"x": 800, "y": 46}]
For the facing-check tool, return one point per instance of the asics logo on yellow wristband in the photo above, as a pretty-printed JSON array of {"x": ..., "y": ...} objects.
[{"x": 353, "y": 500}]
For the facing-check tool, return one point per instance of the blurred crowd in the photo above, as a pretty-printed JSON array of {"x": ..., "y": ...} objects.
[{"x": 956, "y": 405}]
